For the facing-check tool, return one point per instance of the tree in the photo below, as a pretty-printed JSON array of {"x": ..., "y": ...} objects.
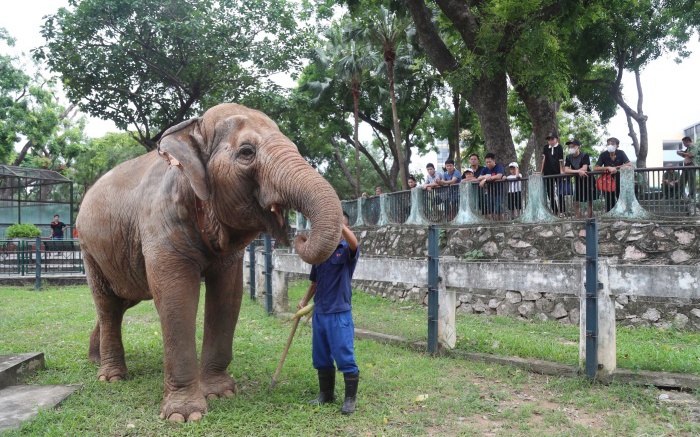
[
  {"x": 150, "y": 64},
  {"x": 31, "y": 113},
  {"x": 627, "y": 37}
]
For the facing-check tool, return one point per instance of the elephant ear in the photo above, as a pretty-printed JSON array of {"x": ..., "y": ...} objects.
[{"x": 181, "y": 146}]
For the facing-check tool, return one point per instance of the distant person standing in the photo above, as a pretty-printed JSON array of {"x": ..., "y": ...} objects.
[
  {"x": 610, "y": 161},
  {"x": 690, "y": 158},
  {"x": 553, "y": 164},
  {"x": 57, "y": 228}
]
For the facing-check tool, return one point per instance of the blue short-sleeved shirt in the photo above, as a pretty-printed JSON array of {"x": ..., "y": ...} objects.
[{"x": 332, "y": 278}]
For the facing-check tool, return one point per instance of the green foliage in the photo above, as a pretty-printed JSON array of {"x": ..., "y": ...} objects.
[
  {"x": 474, "y": 255},
  {"x": 22, "y": 230},
  {"x": 150, "y": 64}
]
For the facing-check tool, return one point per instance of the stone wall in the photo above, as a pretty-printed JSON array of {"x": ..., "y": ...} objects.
[{"x": 621, "y": 242}]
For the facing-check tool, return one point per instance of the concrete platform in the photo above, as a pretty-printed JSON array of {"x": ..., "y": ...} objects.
[{"x": 22, "y": 402}]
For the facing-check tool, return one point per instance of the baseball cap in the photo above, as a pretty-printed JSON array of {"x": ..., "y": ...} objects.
[
  {"x": 553, "y": 134},
  {"x": 574, "y": 142},
  {"x": 513, "y": 164},
  {"x": 469, "y": 169}
]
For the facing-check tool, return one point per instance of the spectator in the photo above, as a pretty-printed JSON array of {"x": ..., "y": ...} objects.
[
  {"x": 579, "y": 163},
  {"x": 378, "y": 191},
  {"x": 493, "y": 194},
  {"x": 688, "y": 177},
  {"x": 432, "y": 180},
  {"x": 450, "y": 180},
  {"x": 515, "y": 197},
  {"x": 57, "y": 228},
  {"x": 468, "y": 175},
  {"x": 670, "y": 183},
  {"x": 412, "y": 182},
  {"x": 610, "y": 162},
  {"x": 365, "y": 195},
  {"x": 553, "y": 164},
  {"x": 474, "y": 165}
]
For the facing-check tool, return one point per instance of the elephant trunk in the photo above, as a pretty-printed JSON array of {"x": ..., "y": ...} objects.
[{"x": 301, "y": 187}]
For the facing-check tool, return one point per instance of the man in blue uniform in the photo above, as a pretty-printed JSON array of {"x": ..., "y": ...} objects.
[{"x": 333, "y": 328}]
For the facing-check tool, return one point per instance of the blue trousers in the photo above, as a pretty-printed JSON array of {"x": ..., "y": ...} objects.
[{"x": 334, "y": 340}]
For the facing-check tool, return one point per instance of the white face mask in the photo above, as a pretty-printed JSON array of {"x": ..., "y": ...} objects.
[
  {"x": 572, "y": 150},
  {"x": 611, "y": 149}
]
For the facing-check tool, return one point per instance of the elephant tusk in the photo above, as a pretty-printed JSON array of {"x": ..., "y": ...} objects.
[{"x": 274, "y": 210}]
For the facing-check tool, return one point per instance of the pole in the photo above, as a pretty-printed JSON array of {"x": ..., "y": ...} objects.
[
  {"x": 592, "y": 287},
  {"x": 251, "y": 267},
  {"x": 37, "y": 255},
  {"x": 268, "y": 275},
  {"x": 307, "y": 297},
  {"x": 433, "y": 259}
]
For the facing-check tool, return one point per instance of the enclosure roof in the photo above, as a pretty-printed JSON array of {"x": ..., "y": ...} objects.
[{"x": 10, "y": 171}]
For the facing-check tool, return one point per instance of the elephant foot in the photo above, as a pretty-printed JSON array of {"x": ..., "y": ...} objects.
[
  {"x": 111, "y": 373},
  {"x": 216, "y": 386},
  {"x": 183, "y": 406}
]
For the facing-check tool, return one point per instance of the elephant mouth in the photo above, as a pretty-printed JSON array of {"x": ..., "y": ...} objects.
[{"x": 277, "y": 226}]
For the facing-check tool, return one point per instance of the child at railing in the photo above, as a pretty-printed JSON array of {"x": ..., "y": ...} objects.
[{"x": 515, "y": 199}]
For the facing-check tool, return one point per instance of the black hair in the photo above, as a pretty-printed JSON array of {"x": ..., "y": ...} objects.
[
  {"x": 490, "y": 155},
  {"x": 430, "y": 164},
  {"x": 687, "y": 139},
  {"x": 411, "y": 177},
  {"x": 475, "y": 154},
  {"x": 450, "y": 161},
  {"x": 346, "y": 215}
]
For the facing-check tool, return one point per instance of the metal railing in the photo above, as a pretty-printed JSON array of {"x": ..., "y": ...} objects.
[
  {"x": 24, "y": 258},
  {"x": 663, "y": 192}
]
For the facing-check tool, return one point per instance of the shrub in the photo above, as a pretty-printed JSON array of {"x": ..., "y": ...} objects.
[{"x": 23, "y": 230}]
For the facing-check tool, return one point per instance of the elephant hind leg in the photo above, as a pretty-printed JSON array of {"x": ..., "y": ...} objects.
[{"x": 106, "y": 346}]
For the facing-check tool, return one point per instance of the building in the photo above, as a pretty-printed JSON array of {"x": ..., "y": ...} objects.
[{"x": 692, "y": 131}]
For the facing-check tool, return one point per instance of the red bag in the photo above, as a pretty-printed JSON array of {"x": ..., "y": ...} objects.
[{"x": 606, "y": 182}]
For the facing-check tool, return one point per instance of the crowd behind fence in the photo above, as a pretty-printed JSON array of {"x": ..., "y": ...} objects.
[{"x": 662, "y": 192}]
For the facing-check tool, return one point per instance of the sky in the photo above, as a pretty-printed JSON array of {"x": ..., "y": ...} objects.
[{"x": 671, "y": 91}]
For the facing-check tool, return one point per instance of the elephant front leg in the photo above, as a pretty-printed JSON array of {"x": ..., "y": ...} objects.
[
  {"x": 176, "y": 301},
  {"x": 222, "y": 305}
]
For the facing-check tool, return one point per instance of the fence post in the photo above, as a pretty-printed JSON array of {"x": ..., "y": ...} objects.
[
  {"x": 359, "y": 221},
  {"x": 417, "y": 215},
  {"x": 251, "y": 268},
  {"x": 592, "y": 287},
  {"x": 383, "y": 216},
  {"x": 467, "y": 193},
  {"x": 536, "y": 210},
  {"x": 433, "y": 259},
  {"x": 268, "y": 274},
  {"x": 37, "y": 284},
  {"x": 627, "y": 205}
]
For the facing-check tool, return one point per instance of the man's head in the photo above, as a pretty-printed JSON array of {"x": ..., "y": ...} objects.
[
  {"x": 450, "y": 165},
  {"x": 431, "y": 169},
  {"x": 552, "y": 138},
  {"x": 378, "y": 191},
  {"x": 55, "y": 218},
  {"x": 574, "y": 146},
  {"x": 490, "y": 160},
  {"x": 687, "y": 141},
  {"x": 612, "y": 141},
  {"x": 474, "y": 160},
  {"x": 412, "y": 182},
  {"x": 513, "y": 166}
]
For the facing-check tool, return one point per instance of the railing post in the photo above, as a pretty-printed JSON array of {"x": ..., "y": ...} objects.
[
  {"x": 536, "y": 210},
  {"x": 466, "y": 213},
  {"x": 251, "y": 268},
  {"x": 268, "y": 274},
  {"x": 592, "y": 286},
  {"x": 383, "y": 216},
  {"x": 417, "y": 215},
  {"x": 37, "y": 284},
  {"x": 627, "y": 205},
  {"x": 433, "y": 260},
  {"x": 359, "y": 221}
]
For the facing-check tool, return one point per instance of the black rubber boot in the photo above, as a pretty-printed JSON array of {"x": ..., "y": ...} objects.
[
  {"x": 351, "y": 380},
  {"x": 326, "y": 381}
]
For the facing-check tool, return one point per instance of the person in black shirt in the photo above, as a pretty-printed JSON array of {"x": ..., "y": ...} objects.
[
  {"x": 553, "y": 164},
  {"x": 57, "y": 228},
  {"x": 579, "y": 164}
]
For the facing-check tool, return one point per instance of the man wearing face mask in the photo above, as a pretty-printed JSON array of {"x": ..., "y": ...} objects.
[
  {"x": 579, "y": 164},
  {"x": 610, "y": 162}
]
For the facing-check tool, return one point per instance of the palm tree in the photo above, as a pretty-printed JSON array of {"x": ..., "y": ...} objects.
[
  {"x": 349, "y": 62},
  {"x": 388, "y": 31}
]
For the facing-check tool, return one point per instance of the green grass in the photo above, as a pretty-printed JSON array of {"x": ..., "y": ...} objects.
[
  {"x": 463, "y": 398},
  {"x": 637, "y": 348}
]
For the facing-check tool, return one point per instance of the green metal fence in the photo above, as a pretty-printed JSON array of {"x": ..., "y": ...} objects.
[{"x": 48, "y": 257}]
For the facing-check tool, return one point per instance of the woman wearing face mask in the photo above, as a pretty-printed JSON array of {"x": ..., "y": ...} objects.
[{"x": 609, "y": 162}]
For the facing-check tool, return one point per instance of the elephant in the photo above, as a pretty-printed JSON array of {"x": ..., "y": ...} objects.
[{"x": 153, "y": 227}]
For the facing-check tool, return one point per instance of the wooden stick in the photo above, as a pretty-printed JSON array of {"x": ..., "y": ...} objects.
[{"x": 286, "y": 347}]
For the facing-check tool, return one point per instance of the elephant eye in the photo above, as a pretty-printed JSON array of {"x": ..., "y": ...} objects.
[{"x": 246, "y": 152}]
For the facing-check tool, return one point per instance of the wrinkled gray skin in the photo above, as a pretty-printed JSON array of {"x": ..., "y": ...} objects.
[{"x": 140, "y": 239}]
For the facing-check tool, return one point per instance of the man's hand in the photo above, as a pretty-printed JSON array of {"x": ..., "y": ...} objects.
[
  {"x": 612, "y": 170},
  {"x": 583, "y": 173}
]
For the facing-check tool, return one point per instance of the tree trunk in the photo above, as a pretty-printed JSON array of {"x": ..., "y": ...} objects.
[
  {"x": 341, "y": 163},
  {"x": 397, "y": 127},
  {"x": 526, "y": 164},
  {"x": 638, "y": 116},
  {"x": 356, "y": 140},
  {"x": 489, "y": 98},
  {"x": 454, "y": 150},
  {"x": 543, "y": 116}
]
